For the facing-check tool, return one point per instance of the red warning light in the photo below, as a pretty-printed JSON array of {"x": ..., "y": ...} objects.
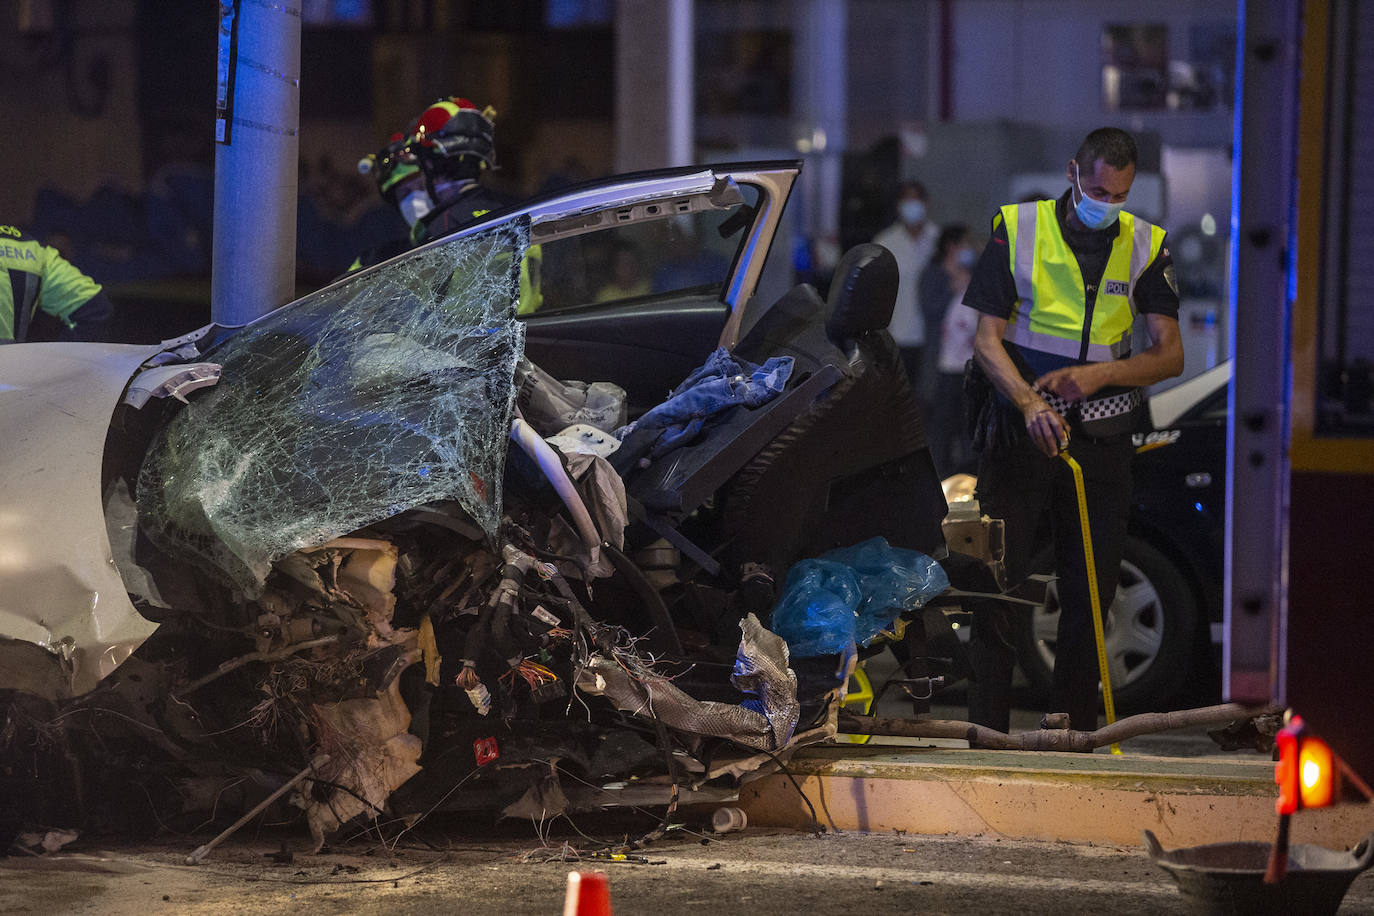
[
  {"x": 1307, "y": 772},
  {"x": 1317, "y": 774}
]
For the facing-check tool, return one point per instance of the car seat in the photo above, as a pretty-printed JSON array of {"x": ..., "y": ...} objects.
[
  {"x": 854, "y": 464},
  {"x": 838, "y": 458}
]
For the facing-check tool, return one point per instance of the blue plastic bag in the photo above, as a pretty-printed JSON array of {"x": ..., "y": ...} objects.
[
  {"x": 850, "y": 595},
  {"x": 816, "y": 612},
  {"x": 892, "y": 580}
]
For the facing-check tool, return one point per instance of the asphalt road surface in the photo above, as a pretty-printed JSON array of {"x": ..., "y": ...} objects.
[{"x": 465, "y": 869}]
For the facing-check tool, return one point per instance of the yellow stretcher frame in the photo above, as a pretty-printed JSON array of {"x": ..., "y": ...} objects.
[{"x": 859, "y": 693}]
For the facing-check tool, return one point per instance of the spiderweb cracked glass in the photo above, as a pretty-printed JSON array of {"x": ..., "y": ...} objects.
[{"x": 368, "y": 398}]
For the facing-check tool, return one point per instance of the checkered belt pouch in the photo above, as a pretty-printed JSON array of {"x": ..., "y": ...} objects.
[{"x": 1091, "y": 413}]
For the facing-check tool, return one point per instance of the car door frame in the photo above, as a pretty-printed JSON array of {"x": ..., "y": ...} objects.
[{"x": 648, "y": 347}]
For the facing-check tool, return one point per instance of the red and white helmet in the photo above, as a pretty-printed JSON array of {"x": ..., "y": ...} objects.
[{"x": 451, "y": 139}]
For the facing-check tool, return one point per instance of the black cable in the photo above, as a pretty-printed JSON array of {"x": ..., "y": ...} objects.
[
  {"x": 665, "y": 744},
  {"x": 815, "y": 821},
  {"x": 652, "y": 600}
]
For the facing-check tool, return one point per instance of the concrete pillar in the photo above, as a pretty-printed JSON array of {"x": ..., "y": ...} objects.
[
  {"x": 254, "y": 267},
  {"x": 655, "y": 92},
  {"x": 821, "y": 67}
]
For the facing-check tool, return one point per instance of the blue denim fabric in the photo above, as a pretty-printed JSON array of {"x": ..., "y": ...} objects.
[{"x": 721, "y": 382}]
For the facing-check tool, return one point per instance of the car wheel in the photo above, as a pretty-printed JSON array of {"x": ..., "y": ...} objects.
[{"x": 1150, "y": 630}]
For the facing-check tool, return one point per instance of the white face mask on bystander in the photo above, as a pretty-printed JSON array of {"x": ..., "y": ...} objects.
[{"x": 912, "y": 212}]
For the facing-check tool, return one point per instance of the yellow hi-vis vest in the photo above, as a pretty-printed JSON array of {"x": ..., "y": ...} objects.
[{"x": 1049, "y": 314}]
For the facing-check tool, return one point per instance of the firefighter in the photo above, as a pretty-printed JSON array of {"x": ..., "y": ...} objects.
[
  {"x": 40, "y": 286},
  {"x": 1058, "y": 288},
  {"x": 432, "y": 174}
]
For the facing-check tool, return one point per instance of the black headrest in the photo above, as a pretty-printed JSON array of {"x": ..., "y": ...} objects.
[{"x": 862, "y": 292}]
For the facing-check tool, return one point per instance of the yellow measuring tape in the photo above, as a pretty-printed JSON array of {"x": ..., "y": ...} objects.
[{"x": 1092, "y": 591}]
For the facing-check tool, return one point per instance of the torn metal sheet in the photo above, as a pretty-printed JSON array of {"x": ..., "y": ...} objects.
[
  {"x": 371, "y": 753},
  {"x": 542, "y": 801},
  {"x": 121, "y": 526},
  {"x": 360, "y": 572},
  {"x": 375, "y": 395},
  {"x": 762, "y": 764},
  {"x": 760, "y": 670},
  {"x": 59, "y": 587}
]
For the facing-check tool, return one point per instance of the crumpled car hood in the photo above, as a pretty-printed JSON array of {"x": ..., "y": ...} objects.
[{"x": 59, "y": 588}]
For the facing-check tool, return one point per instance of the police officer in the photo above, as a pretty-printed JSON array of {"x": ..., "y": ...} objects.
[
  {"x": 1058, "y": 288},
  {"x": 36, "y": 281}
]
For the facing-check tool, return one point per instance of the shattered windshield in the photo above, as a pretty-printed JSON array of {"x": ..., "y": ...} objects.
[{"x": 371, "y": 397}]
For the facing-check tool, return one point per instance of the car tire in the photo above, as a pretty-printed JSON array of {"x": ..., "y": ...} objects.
[{"x": 1150, "y": 630}]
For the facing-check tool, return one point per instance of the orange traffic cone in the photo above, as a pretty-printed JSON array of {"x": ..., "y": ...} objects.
[{"x": 589, "y": 894}]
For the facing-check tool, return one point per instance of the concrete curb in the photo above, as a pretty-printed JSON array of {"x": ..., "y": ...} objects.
[{"x": 1082, "y": 798}]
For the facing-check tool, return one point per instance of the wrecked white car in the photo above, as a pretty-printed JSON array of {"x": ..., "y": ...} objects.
[{"x": 373, "y": 536}]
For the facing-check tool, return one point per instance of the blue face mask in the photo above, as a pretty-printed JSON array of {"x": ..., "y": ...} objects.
[{"x": 1094, "y": 214}]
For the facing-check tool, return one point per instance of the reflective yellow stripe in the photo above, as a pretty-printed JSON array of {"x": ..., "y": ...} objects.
[
  {"x": 531, "y": 281},
  {"x": 1022, "y": 246}
]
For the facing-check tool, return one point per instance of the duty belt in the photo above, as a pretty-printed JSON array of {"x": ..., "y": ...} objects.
[{"x": 1097, "y": 408}]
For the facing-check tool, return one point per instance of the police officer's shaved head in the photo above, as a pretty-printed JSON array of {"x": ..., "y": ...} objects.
[{"x": 1112, "y": 145}]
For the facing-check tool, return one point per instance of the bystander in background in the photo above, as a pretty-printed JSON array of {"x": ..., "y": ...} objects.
[
  {"x": 911, "y": 239},
  {"x": 952, "y": 327}
]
